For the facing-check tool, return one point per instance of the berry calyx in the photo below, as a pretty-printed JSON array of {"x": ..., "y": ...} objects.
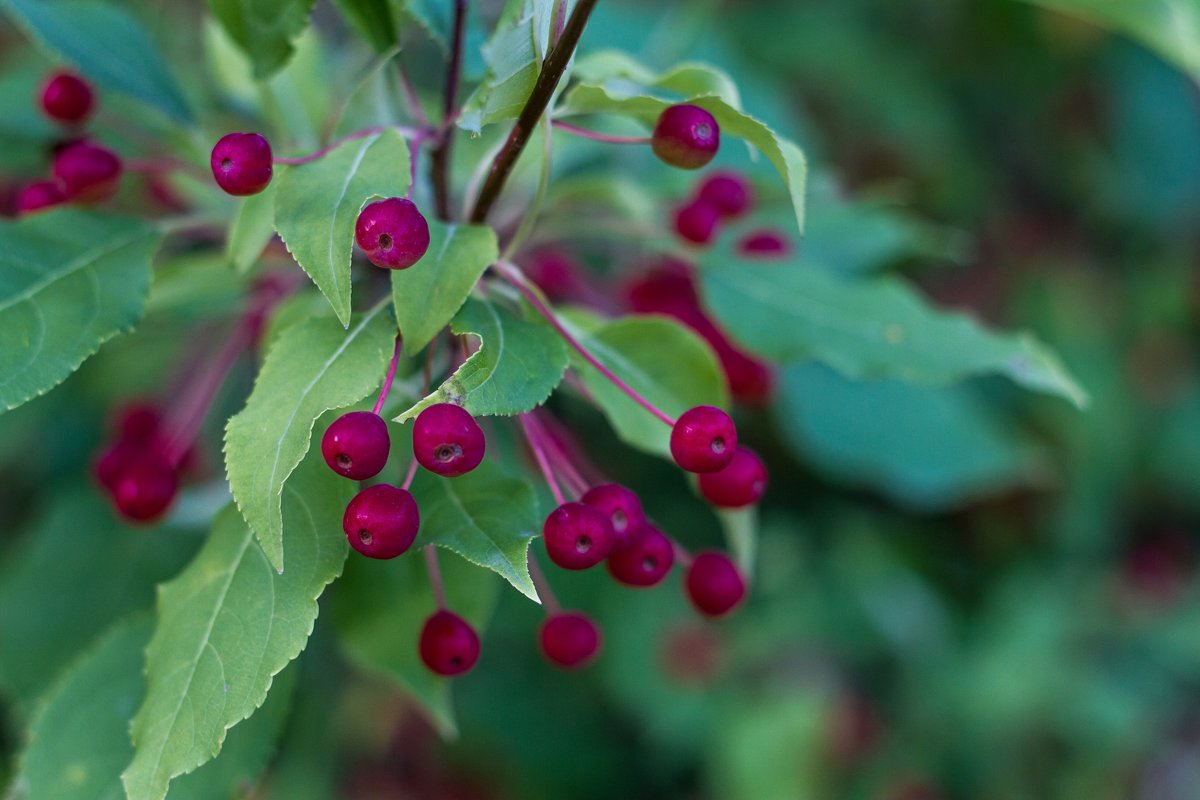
[
  {"x": 87, "y": 172},
  {"x": 697, "y": 221},
  {"x": 449, "y": 645},
  {"x": 144, "y": 489},
  {"x": 356, "y": 445},
  {"x": 646, "y": 561},
  {"x": 38, "y": 195},
  {"x": 569, "y": 640},
  {"x": 67, "y": 98},
  {"x": 741, "y": 483},
  {"x": 685, "y": 136},
  {"x": 392, "y": 233},
  {"x": 242, "y": 163},
  {"x": 577, "y": 536},
  {"x": 714, "y": 583},
  {"x": 621, "y": 506},
  {"x": 447, "y": 440},
  {"x": 381, "y": 521},
  {"x": 703, "y": 439},
  {"x": 728, "y": 193}
]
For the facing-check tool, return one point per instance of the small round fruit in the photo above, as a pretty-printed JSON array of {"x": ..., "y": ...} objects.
[
  {"x": 703, "y": 439},
  {"x": 87, "y": 172},
  {"x": 714, "y": 583},
  {"x": 621, "y": 506},
  {"x": 686, "y": 136},
  {"x": 645, "y": 562},
  {"x": 356, "y": 445},
  {"x": 449, "y": 645},
  {"x": 447, "y": 440},
  {"x": 577, "y": 536},
  {"x": 67, "y": 98},
  {"x": 381, "y": 521},
  {"x": 392, "y": 233},
  {"x": 144, "y": 490},
  {"x": 742, "y": 483},
  {"x": 697, "y": 222},
  {"x": 114, "y": 461},
  {"x": 38, "y": 195},
  {"x": 728, "y": 193},
  {"x": 570, "y": 639},
  {"x": 242, "y": 163},
  {"x": 765, "y": 243}
]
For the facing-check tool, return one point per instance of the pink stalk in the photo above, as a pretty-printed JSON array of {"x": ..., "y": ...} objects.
[
  {"x": 543, "y": 587},
  {"x": 407, "y": 133},
  {"x": 391, "y": 376},
  {"x": 595, "y": 136},
  {"x": 558, "y": 456},
  {"x": 435, "y": 576},
  {"x": 538, "y": 453}
]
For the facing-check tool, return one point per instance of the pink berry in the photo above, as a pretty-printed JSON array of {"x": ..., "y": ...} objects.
[
  {"x": 392, "y": 233},
  {"x": 447, "y": 440},
  {"x": 646, "y": 561},
  {"x": 449, "y": 645},
  {"x": 728, "y": 193},
  {"x": 114, "y": 461},
  {"x": 67, "y": 98},
  {"x": 381, "y": 521},
  {"x": 577, "y": 536},
  {"x": 38, "y": 195},
  {"x": 138, "y": 422},
  {"x": 714, "y": 583},
  {"x": 144, "y": 490},
  {"x": 685, "y": 136},
  {"x": 87, "y": 172},
  {"x": 697, "y": 221},
  {"x": 703, "y": 439},
  {"x": 242, "y": 163},
  {"x": 356, "y": 445},
  {"x": 621, "y": 506},
  {"x": 741, "y": 483},
  {"x": 570, "y": 639},
  {"x": 764, "y": 243}
]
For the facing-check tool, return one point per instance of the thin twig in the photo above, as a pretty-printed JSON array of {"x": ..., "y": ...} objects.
[{"x": 439, "y": 159}]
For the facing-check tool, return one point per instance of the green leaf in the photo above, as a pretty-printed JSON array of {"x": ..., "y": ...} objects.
[
  {"x": 515, "y": 370},
  {"x": 253, "y": 228},
  {"x": 317, "y": 203},
  {"x": 380, "y": 607},
  {"x": 486, "y": 516},
  {"x": 105, "y": 43},
  {"x": 428, "y": 294},
  {"x": 741, "y": 532},
  {"x": 69, "y": 281},
  {"x": 616, "y": 71},
  {"x": 372, "y": 19},
  {"x": 264, "y": 29},
  {"x": 312, "y": 367},
  {"x": 228, "y": 624}
]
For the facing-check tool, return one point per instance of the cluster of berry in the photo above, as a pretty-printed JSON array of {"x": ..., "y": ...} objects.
[{"x": 140, "y": 469}]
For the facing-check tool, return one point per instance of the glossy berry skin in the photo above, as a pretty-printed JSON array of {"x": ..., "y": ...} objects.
[
  {"x": 447, "y": 440},
  {"x": 742, "y": 483},
  {"x": 714, "y": 583},
  {"x": 764, "y": 244},
  {"x": 356, "y": 445},
  {"x": 685, "y": 136},
  {"x": 38, "y": 195},
  {"x": 144, "y": 490},
  {"x": 392, "y": 233},
  {"x": 697, "y": 222},
  {"x": 449, "y": 645},
  {"x": 67, "y": 98},
  {"x": 727, "y": 193},
  {"x": 703, "y": 439},
  {"x": 645, "y": 562},
  {"x": 87, "y": 173},
  {"x": 569, "y": 640},
  {"x": 381, "y": 521},
  {"x": 621, "y": 506},
  {"x": 577, "y": 536},
  {"x": 242, "y": 163}
]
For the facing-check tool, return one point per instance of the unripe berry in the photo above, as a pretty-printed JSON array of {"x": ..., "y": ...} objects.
[
  {"x": 703, "y": 439},
  {"x": 447, "y": 440},
  {"x": 577, "y": 536},
  {"x": 741, "y": 483},
  {"x": 87, "y": 172},
  {"x": 570, "y": 640},
  {"x": 242, "y": 163},
  {"x": 714, "y": 583},
  {"x": 356, "y": 445},
  {"x": 686, "y": 136},
  {"x": 38, "y": 195},
  {"x": 449, "y": 645},
  {"x": 697, "y": 221},
  {"x": 67, "y": 98},
  {"x": 728, "y": 193},
  {"x": 145, "y": 489},
  {"x": 392, "y": 233},
  {"x": 621, "y": 506},
  {"x": 646, "y": 561},
  {"x": 381, "y": 521}
]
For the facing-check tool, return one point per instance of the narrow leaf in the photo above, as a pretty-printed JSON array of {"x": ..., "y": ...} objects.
[{"x": 264, "y": 29}]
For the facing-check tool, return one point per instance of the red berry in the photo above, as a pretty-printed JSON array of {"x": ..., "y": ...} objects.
[
  {"x": 392, "y": 233},
  {"x": 751, "y": 381},
  {"x": 87, "y": 172},
  {"x": 577, "y": 536},
  {"x": 714, "y": 583},
  {"x": 764, "y": 243},
  {"x": 569, "y": 639},
  {"x": 703, "y": 439},
  {"x": 727, "y": 193},
  {"x": 356, "y": 445},
  {"x": 449, "y": 645},
  {"x": 144, "y": 489},
  {"x": 381, "y": 521},
  {"x": 646, "y": 561},
  {"x": 742, "y": 483},
  {"x": 113, "y": 462},
  {"x": 621, "y": 506},
  {"x": 697, "y": 221},
  {"x": 38, "y": 195},
  {"x": 138, "y": 422},
  {"x": 242, "y": 163},
  {"x": 686, "y": 136},
  {"x": 68, "y": 98},
  {"x": 447, "y": 440}
]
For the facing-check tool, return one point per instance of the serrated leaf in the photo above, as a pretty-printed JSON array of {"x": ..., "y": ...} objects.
[
  {"x": 264, "y": 29},
  {"x": 228, "y": 624},
  {"x": 88, "y": 33},
  {"x": 69, "y": 281},
  {"x": 515, "y": 370},
  {"x": 312, "y": 367},
  {"x": 316, "y": 205},
  {"x": 253, "y": 228},
  {"x": 614, "y": 70},
  {"x": 428, "y": 294},
  {"x": 486, "y": 516}
]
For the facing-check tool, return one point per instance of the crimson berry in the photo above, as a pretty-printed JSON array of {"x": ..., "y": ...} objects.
[
  {"x": 145, "y": 488},
  {"x": 87, "y": 172},
  {"x": 577, "y": 536},
  {"x": 392, "y": 233},
  {"x": 38, "y": 195},
  {"x": 447, "y": 440},
  {"x": 741, "y": 483},
  {"x": 570, "y": 639},
  {"x": 727, "y": 192},
  {"x": 381, "y": 521},
  {"x": 621, "y": 506},
  {"x": 356, "y": 445},
  {"x": 764, "y": 243},
  {"x": 242, "y": 163},
  {"x": 697, "y": 221},
  {"x": 703, "y": 439},
  {"x": 449, "y": 645},
  {"x": 113, "y": 462},
  {"x": 685, "y": 136},
  {"x": 67, "y": 98},
  {"x": 138, "y": 422},
  {"x": 646, "y": 561},
  {"x": 714, "y": 583}
]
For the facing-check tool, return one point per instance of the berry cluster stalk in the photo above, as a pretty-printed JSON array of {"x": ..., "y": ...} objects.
[
  {"x": 416, "y": 136},
  {"x": 391, "y": 376},
  {"x": 539, "y": 453},
  {"x": 599, "y": 137}
]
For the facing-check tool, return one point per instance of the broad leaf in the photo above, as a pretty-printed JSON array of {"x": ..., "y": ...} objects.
[
  {"x": 316, "y": 205},
  {"x": 372, "y": 19},
  {"x": 515, "y": 370},
  {"x": 312, "y": 367},
  {"x": 228, "y": 624},
  {"x": 485, "y": 516},
  {"x": 264, "y": 29},
  {"x": 69, "y": 281},
  {"x": 253, "y": 228},
  {"x": 89, "y": 33},
  {"x": 428, "y": 294}
]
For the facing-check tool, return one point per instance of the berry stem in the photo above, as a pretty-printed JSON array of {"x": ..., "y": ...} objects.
[
  {"x": 681, "y": 554},
  {"x": 539, "y": 454},
  {"x": 408, "y": 133},
  {"x": 573, "y": 479},
  {"x": 435, "y": 576},
  {"x": 439, "y": 159},
  {"x": 595, "y": 136},
  {"x": 411, "y": 99},
  {"x": 410, "y": 474},
  {"x": 391, "y": 376},
  {"x": 543, "y": 587}
]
